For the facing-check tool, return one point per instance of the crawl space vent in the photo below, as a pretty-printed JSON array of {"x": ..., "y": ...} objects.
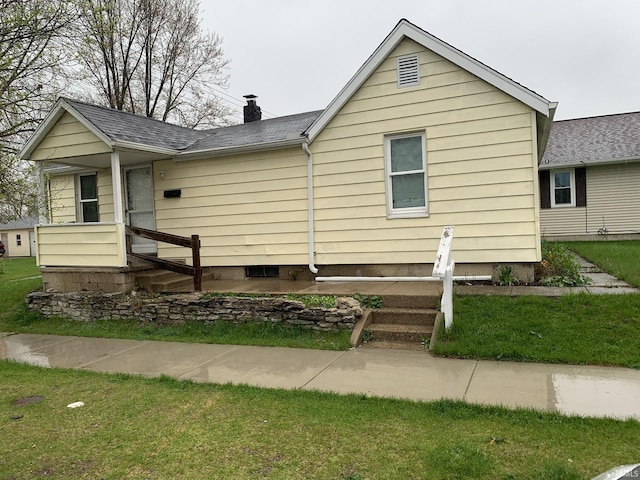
[{"x": 408, "y": 71}]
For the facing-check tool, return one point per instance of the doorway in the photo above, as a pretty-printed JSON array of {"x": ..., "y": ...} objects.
[{"x": 139, "y": 206}]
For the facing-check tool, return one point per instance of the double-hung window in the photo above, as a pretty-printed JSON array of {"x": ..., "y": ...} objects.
[
  {"x": 563, "y": 192},
  {"x": 88, "y": 197},
  {"x": 406, "y": 172}
]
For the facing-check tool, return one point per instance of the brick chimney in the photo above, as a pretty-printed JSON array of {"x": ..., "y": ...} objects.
[{"x": 252, "y": 112}]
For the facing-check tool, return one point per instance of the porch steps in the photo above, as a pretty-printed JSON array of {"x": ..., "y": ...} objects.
[
  {"x": 158, "y": 280},
  {"x": 404, "y": 322}
]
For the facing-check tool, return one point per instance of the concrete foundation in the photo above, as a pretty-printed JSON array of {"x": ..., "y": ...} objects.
[{"x": 88, "y": 279}]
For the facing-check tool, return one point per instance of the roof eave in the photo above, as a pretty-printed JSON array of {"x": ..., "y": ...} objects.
[
  {"x": 405, "y": 29},
  {"x": 124, "y": 145},
  {"x": 237, "y": 150},
  {"x": 613, "y": 161}
]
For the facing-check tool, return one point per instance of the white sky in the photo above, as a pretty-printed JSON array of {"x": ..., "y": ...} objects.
[{"x": 296, "y": 55}]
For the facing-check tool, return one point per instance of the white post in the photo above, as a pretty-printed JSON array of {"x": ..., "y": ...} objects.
[
  {"x": 443, "y": 268},
  {"x": 43, "y": 197},
  {"x": 447, "y": 295},
  {"x": 116, "y": 179},
  {"x": 118, "y": 217}
]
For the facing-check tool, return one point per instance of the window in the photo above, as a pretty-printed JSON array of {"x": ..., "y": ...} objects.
[
  {"x": 18, "y": 240},
  {"x": 405, "y": 163},
  {"x": 408, "y": 71},
  {"x": 88, "y": 197},
  {"x": 563, "y": 193}
]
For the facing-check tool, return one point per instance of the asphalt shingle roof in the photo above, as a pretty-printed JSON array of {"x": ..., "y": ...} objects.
[
  {"x": 20, "y": 224},
  {"x": 608, "y": 138},
  {"x": 123, "y": 126},
  {"x": 127, "y": 127}
]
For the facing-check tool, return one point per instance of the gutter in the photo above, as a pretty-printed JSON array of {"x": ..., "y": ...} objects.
[
  {"x": 305, "y": 147},
  {"x": 237, "y": 150}
]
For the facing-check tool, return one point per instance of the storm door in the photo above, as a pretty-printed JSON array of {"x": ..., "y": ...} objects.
[{"x": 139, "y": 206}]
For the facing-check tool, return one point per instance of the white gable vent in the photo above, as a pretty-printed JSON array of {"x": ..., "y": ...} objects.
[{"x": 408, "y": 71}]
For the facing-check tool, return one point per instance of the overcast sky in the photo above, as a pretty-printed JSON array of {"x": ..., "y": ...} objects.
[{"x": 296, "y": 55}]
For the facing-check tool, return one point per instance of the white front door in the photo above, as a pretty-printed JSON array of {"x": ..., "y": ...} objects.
[{"x": 139, "y": 206}]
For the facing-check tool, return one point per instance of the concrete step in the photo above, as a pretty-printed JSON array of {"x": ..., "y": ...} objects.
[
  {"x": 399, "y": 332},
  {"x": 406, "y": 316},
  {"x": 167, "y": 281},
  {"x": 410, "y": 301},
  {"x": 394, "y": 345}
]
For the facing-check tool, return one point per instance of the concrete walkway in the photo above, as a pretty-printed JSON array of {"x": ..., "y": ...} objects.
[{"x": 581, "y": 390}]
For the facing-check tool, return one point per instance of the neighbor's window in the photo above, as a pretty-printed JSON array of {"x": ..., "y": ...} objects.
[
  {"x": 18, "y": 240},
  {"x": 563, "y": 192},
  {"x": 405, "y": 159},
  {"x": 88, "y": 197}
]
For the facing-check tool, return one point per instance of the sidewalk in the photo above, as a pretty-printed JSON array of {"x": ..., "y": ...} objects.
[{"x": 567, "y": 389}]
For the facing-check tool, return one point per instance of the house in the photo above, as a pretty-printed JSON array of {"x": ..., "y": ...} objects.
[
  {"x": 589, "y": 178},
  {"x": 422, "y": 136},
  {"x": 18, "y": 237}
]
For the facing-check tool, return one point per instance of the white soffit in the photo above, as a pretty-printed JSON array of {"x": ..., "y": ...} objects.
[{"x": 405, "y": 29}]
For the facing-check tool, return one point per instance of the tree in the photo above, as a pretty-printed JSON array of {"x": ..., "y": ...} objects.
[
  {"x": 151, "y": 57},
  {"x": 31, "y": 62}
]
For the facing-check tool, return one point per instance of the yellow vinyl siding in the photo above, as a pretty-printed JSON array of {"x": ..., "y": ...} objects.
[
  {"x": 612, "y": 193},
  {"x": 105, "y": 195},
  {"x": 247, "y": 209},
  {"x": 481, "y": 166},
  {"x": 68, "y": 138},
  {"x": 81, "y": 245},
  {"x": 62, "y": 199}
]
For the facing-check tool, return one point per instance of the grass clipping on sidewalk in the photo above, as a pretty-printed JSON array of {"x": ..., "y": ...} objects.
[{"x": 132, "y": 427}]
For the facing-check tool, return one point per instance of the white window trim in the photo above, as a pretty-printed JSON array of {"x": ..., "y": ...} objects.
[
  {"x": 572, "y": 187},
  {"x": 79, "y": 201},
  {"x": 411, "y": 212}
]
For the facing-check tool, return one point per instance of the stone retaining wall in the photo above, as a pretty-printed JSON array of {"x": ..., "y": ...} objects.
[{"x": 177, "y": 309}]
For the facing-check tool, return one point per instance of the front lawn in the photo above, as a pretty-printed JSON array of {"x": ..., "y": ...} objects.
[
  {"x": 619, "y": 258},
  {"x": 132, "y": 427},
  {"x": 575, "y": 329},
  {"x": 15, "y": 268}
]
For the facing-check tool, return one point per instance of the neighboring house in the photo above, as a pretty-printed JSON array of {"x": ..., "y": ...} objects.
[
  {"x": 421, "y": 137},
  {"x": 18, "y": 237},
  {"x": 590, "y": 177}
]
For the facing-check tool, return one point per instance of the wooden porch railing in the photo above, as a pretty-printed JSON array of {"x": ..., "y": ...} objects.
[{"x": 194, "y": 243}]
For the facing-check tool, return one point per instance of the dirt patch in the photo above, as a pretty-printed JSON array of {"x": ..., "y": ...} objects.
[{"x": 27, "y": 401}]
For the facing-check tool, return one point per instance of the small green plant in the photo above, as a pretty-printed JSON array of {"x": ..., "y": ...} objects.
[
  {"x": 325, "y": 301},
  {"x": 368, "y": 301},
  {"x": 367, "y": 336},
  {"x": 506, "y": 276},
  {"x": 559, "y": 267}
]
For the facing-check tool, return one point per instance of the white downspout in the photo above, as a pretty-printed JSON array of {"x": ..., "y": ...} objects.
[{"x": 305, "y": 147}]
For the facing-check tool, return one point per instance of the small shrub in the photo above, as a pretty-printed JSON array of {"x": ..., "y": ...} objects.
[{"x": 559, "y": 267}]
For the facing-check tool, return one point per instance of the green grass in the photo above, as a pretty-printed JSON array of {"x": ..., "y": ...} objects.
[
  {"x": 221, "y": 332},
  {"x": 619, "y": 258},
  {"x": 132, "y": 427},
  {"x": 15, "y": 268},
  {"x": 574, "y": 329},
  {"x": 14, "y": 317}
]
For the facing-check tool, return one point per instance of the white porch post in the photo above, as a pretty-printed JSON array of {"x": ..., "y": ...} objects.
[
  {"x": 43, "y": 206},
  {"x": 118, "y": 216},
  {"x": 116, "y": 179}
]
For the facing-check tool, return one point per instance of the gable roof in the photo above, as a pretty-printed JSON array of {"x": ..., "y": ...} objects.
[
  {"x": 120, "y": 129},
  {"x": 20, "y": 224},
  {"x": 405, "y": 29},
  {"x": 593, "y": 140}
]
